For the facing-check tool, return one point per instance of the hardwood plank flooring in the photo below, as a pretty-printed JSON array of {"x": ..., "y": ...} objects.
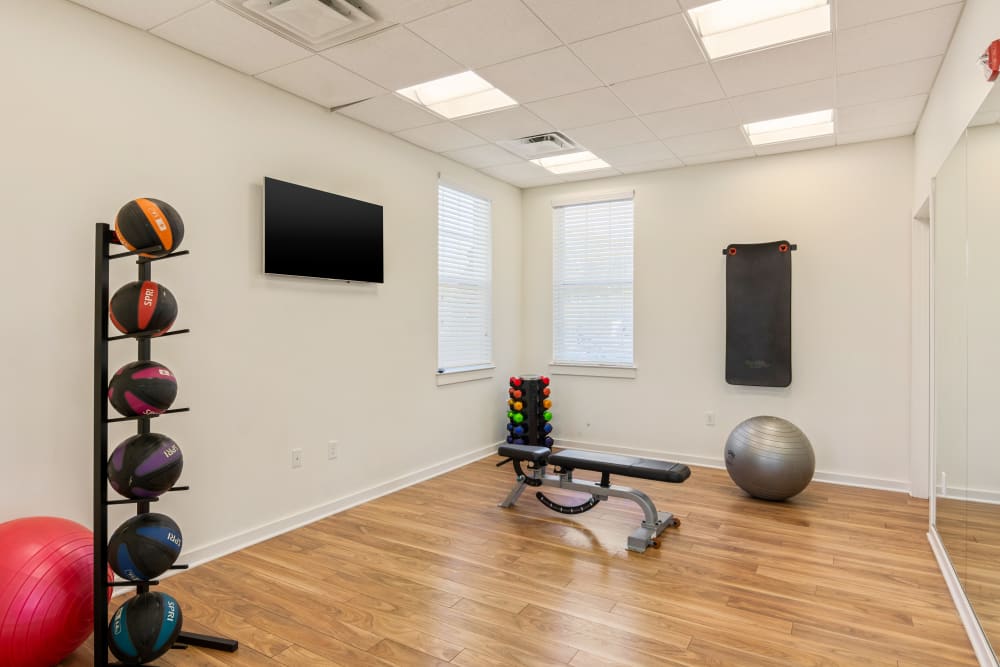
[{"x": 437, "y": 574}]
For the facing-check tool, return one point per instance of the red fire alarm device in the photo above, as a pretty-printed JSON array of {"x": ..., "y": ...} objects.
[{"x": 991, "y": 60}]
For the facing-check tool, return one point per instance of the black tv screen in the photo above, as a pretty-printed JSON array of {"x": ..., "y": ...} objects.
[{"x": 318, "y": 234}]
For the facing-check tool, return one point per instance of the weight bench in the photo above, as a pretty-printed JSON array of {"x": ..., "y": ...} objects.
[{"x": 566, "y": 461}]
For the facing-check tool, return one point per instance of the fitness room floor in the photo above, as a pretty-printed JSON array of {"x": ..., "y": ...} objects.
[{"x": 437, "y": 574}]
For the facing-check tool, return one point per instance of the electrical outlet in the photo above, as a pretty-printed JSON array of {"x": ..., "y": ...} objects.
[
  {"x": 331, "y": 449},
  {"x": 296, "y": 458},
  {"x": 709, "y": 419}
]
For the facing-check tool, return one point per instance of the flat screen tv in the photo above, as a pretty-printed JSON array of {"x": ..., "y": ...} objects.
[{"x": 318, "y": 234}]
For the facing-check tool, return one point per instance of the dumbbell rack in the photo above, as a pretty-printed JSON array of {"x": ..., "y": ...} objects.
[{"x": 106, "y": 239}]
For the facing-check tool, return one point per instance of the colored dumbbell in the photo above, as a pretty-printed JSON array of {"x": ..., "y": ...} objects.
[
  {"x": 547, "y": 416},
  {"x": 518, "y": 418},
  {"x": 547, "y": 403},
  {"x": 547, "y": 428}
]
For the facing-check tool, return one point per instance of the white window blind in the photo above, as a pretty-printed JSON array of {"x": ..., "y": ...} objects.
[
  {"x": 465, "y": 281},
  {"x": 592, "y": 283}
]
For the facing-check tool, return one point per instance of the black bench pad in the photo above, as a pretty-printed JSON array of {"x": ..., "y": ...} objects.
[
  {"x": 617, "y": 464},
  {"x": 525, "y": 453}
]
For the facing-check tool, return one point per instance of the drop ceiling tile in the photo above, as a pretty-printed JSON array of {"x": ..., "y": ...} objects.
[
  {"x": 787, "y": 101},
  {"x": 522, "y": 174},
  {"x": 657, "y": 46},
  {"x": 228, "y": 38},
  {"x": 723, "y": 156},
  {"x": 541, "y": 75},
  {"x": 716, "y": 141},
  {"x": 880, "y": 114},
  {"x": 660, "y": 165},
  {"x": 511, "y": 123},
  {"x": 486, "y": 155},
  {"x": 852, "y": 13},
  {"x": 322, "y": 82},
  {"x": 573, "y": 20},
  {"x": 389, "y": 113},
  {"x": 587, "y": 107},
  {"x": 483, "y": 32},
  {"x": 793, "y": 146},
  {"x": 647, "y": 151},
  {"x": 873, "y": 134},
  {"x": 808, "y": 60},
  {"x": 440, "y": 137},
  {"x": 393, "y": 58},
  {"x": 143, "y": 15},
  {"x": 886, "y": 83},
  {"x": 897, "y": 40},
  {"x": 404, "y": 11},
  {"x": 615, "y": 133},
  {"x": 691, "y": 120},
  {"x": 670, "y": 90}
]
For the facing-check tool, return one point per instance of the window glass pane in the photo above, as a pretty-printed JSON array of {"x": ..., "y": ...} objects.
[
  {"x": 464, "y": 280},
  {"x": 592, "y": 283}
]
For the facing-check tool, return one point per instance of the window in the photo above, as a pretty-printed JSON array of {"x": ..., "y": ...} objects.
[
  {"x": 592, "y": 283},
  {"x": 465, "y": 339}
]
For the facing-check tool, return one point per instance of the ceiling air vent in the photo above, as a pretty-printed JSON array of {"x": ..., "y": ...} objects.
[
  {"x": 314, "y": 22},
  {"x": 550, "y": 143}
]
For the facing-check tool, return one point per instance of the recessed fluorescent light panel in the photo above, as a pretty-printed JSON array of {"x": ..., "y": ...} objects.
[
  {"x": 790, "y": 128},
  {"x": 458, "y": 95},
  {"x": 570, "y": 163},
  {"x": 727, "y": 27}
]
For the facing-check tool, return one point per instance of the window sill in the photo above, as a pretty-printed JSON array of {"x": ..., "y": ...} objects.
[
  {"x": 593, "y": 370},
  {"x": 456, "y": 375}
]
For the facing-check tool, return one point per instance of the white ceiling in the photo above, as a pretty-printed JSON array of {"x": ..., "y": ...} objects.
[{"x": 626, "y": 80}]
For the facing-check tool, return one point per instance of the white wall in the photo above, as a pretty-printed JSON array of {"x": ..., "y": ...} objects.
[
  {"x": 848, "y": 210},
  {"x": 95, "y": 113},
  {"x": 958, "y": 91}
]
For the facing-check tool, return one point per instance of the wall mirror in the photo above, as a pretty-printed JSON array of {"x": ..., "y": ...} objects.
[{"x": 966, "y": 329}]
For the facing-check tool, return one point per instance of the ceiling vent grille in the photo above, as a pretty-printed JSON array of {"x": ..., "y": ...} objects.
[
  {"x": 538, "y": 145},
  {"x": 316, "y": 23}
]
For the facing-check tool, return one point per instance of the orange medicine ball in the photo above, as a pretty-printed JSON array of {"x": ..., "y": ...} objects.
[{"x": 149, "y": 223}]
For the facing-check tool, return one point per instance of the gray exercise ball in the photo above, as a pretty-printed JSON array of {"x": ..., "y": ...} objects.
[{"x": 770, "y": 458}]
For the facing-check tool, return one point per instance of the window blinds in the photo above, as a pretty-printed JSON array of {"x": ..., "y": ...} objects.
[
  {"x": 592, "y": 283},
  {"x": 465, "y": 272}
]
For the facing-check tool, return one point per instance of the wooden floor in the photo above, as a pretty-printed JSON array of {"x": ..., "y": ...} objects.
[
  {"x": 437, "y": 574},
  {"x": 970, "y": 532}
]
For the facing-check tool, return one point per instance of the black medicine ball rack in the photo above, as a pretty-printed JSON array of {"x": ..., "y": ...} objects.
[{"x": 105, "y": 240}]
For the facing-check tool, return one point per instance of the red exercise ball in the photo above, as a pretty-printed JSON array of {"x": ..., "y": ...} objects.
[{"x": 46, "y": 590}]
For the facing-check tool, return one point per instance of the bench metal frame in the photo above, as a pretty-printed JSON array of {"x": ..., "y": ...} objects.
[{"x": 646, "y": 535}]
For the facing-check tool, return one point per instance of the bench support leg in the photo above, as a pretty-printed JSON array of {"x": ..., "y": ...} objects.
[
  {"x": 647, "y": 535},
  {"x": 515, "y": 493}
]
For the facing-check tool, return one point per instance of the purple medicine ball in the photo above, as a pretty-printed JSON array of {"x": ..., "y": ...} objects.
[{"x": 145, "y": 465}]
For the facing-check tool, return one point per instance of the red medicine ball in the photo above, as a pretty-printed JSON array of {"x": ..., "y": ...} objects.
[{"x": 143, "y": 306}]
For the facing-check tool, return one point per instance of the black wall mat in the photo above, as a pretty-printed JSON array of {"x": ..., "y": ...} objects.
[{"x": 759, "y": 313}]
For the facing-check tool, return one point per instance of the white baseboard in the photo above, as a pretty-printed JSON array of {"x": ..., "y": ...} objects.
[
  {"x": 973, "y": 495},
  {"x": 717, "y": 462},
  {"x": 981, "y": 646},
  {"x": 243, "y": 540}
]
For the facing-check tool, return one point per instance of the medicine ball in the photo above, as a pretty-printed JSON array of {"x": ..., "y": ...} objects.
[
  {"x": 143, "y": 306},
  {"x": 144, "y": 628},
  {"x": 147, "y": 222},
  {"x": 145, "y": 465},
  {"x": 144, "y": 547},
  {"x": 142, "y": 388}
]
